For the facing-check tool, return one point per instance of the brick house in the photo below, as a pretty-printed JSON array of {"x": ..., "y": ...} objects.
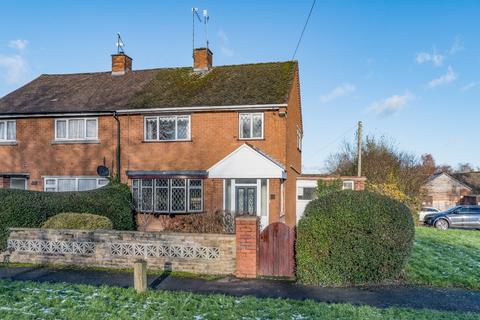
[{"x": 187, "y": 140}]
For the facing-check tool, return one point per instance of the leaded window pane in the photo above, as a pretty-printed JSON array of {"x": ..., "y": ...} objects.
[
  {"x": 178, "y": 182},
  {"x": 161, "y": 182},
  {"x": 11, "y": 134},
  {"x": 151, "y": 130},
  {"x": 91, "y": 128},
  {"x": 161, "y": 199},
  {"x": 195, "y": 183},
  {"x": 245, "y": 126},
  {"x": 166, "y": 128},
  {"x": 178, "y": 199},
  {"x": 136, "y": 197},
  {"x": 147, "y": 182},
  {"x": 257, "y": 126},
  {"x": 76, "y": 129},
  {"x": 195, "y": 196},
  {"x": 136, "y": 182},
  {"x": 147, "y": 199},
  {"x": 87, "y": 184},
  {"x": 61, "y": 129},
  {"x": 182, "y": 127}
]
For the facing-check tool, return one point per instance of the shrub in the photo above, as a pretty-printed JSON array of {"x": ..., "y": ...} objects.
[
  {"x": 353, "y": 238},
  {"x": 82, "y": 221},
  {"x": 30, "y": 209},
  {"x": 325, "y": 187}
]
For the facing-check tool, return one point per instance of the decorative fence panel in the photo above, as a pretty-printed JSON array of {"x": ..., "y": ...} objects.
[{"x": 196, "y": 253}]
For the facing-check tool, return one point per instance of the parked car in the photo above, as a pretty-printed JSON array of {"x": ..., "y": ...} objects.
[
  {"x": 466, "y": 217},
  {"x": 426, "y": 210}
]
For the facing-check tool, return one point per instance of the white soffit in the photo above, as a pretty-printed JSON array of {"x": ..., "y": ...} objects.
[{"x": 246, "y": 162}]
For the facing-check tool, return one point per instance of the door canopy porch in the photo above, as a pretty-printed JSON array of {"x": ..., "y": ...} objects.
[{"x": 247, "y": 162}]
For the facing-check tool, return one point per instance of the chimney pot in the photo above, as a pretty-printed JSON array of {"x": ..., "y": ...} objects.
[
  {"x": 121, "y": 64},
  {"x": 202, "y": 59}
]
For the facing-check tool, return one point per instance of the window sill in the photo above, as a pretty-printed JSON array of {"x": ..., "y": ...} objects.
[
  {"x": 8, "y": 143},
  {"x": 250, "y": 139},
  {"x": 75, "y": 141},
  {"x": 165, "y": 141}
]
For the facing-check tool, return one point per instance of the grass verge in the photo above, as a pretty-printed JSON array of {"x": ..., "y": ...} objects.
[
  {"x": 28, "y": 300},
  {"x": 448, "y": 258}
]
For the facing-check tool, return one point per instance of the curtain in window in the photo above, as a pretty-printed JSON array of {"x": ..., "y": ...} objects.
[
  {"x": 17, "y": 183},
  {"x": 2, "y": 131},
  {"x": 195, "y": 195},
  {"x": 87, "y": 184},
  {"x": 66, "y": 185},
  {"x": 61, "y": 129},
  {"x": 76, "y": 129},
  {"x": 182, "y": 127},
  {"x": 245, "y": 126},
  {"x": 257, "y": 126},
  {"x": 91, "y": 128},
  {"x": 11, "y": 135},
  {"x": 166, "y": 128}
]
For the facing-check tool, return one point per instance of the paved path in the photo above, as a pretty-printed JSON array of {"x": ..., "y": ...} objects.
[{"x": 382, "y": 296}]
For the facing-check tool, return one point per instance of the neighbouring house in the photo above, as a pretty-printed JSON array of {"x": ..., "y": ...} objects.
[
  {"x": 187, "y": 140},
  {"x": 443, "y": 190},
  {"x": 307, "y": 187}
]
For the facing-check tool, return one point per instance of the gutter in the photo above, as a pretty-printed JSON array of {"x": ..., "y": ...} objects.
[{"x": 204, "y": 108}]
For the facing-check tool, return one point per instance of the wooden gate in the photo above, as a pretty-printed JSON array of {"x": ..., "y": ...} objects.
[{"x": 276, "y": 251}]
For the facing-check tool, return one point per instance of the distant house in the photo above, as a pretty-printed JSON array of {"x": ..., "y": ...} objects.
[
  {"x": 443, "y": 190},
  {"x": 307, "y": 188}
]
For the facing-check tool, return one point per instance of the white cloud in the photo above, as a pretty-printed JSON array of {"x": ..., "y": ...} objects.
[
  {"x": 339, "y": 91},
  {"x": 15, "y": 67},
  {"x": 470, "y": 85},
  {"x": 456, "y": 46},
  {"x": 448, "y": 77},
  {"x": 391, "y": 105},
  {"x": 435, "y": 58},
  {"x": 18, "y": 44},
  {"x": 225, "y": 49}
]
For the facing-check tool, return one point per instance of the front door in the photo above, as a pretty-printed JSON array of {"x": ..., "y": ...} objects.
[{"x": 246, "y": 200}]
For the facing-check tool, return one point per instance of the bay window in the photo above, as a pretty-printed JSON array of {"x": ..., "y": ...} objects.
[
  {"x": 76, "y": 129},
  {"x": 251, "y": 125},
  {"x": 175, "y": 195},
  {"x": 8, "y": 130},
  {"x": 167, "y": 128}
]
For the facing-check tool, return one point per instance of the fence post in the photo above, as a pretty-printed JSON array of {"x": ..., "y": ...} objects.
[
  {"x": 140, "y": 276},
  {"x": 247, "y": 235}
]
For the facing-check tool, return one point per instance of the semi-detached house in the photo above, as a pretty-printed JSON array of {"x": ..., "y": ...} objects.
[{"x": 187, "y": 140}]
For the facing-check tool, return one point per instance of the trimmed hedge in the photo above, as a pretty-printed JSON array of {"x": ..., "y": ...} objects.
[
  {"x": 30, "y": 209},
  {"x": 80, "y": 221},
  {"x": 353, "y": 238}
]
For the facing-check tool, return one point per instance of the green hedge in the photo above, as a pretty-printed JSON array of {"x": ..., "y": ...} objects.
[
  {"x": 30, "y": 209},
  {"x": 353, "y": 238},
  {"x": 80, "y": 221}
]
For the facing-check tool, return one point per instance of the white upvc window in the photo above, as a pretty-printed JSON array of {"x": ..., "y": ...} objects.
[
  {"x": 64, "y": 184},
  {"x": 175, "y": 195},
  {"x": 299, "y": 139},
  {"x": 18, "y": 183},
  {"x": 251, "y": 125},
  {"x": 167, "y": 128},
  {"x": 8, "y": 131},
  {"x": 76, "y": 129},
  {"x": 348, "y": 185}
]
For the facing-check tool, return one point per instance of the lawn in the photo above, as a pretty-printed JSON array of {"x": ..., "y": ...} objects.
[
  {"x": 445, "y": 258},
  {"x": 28, "y": 300}
]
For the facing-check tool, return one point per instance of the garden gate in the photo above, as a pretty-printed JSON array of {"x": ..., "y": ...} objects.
[{"x": 276, "y": 251}]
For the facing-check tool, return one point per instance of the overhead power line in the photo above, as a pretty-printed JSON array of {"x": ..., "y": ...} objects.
[{"x": 303, "y": 31}]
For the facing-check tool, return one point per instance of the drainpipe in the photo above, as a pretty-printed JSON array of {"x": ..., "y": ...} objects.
[{"x": 117, "y": 151}]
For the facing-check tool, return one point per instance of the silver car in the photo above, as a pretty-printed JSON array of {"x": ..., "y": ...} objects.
[
  {"x": 465, "y": 217},
  {"x": 424, "y": 211}
]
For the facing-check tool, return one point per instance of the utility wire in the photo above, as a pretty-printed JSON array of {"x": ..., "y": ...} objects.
[
  {"x": 316, "y": 152},
  {"x": 303, "y": 31}
]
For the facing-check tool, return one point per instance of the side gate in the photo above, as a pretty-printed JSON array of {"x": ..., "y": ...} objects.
[{"x": 276, "y": 251}]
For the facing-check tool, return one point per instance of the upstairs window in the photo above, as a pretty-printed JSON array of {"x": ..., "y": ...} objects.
[
  {"x": 76, "y": 129},
  {"x": 167, "y": 128},
  {"x": 8, "y": 131},
  {"x": 251, "y": 125},
  {"x": 299, "y": 139}
]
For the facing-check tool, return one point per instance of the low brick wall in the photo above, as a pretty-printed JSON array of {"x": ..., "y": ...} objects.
[{"x": 196, "y": 253}]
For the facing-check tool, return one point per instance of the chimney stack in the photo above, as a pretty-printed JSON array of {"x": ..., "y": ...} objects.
[
  {"x": 121, "y": 64},
  {"x": 202, "y": 59}
]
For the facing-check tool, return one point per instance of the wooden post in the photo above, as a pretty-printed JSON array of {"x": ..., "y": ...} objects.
[{"x": 140, "y": 276}]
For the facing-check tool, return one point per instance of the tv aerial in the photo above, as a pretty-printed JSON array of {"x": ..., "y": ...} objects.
[
  {"x": 206, "y": 18},
  {"x": 120, "y": 44}
]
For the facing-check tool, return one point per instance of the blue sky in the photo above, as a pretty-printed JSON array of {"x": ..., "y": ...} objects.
[{"x": 408, "y": 69}]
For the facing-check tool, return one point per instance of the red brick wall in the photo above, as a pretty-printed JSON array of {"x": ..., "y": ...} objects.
[
  {"x": 36, "y": 154},
  {"x": 247, "y": 236}
]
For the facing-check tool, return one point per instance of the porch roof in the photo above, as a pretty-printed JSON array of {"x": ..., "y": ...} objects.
[{"x": 167, "y": 173}]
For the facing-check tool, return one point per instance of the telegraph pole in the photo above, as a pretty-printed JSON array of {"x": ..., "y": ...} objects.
[{"x": 359, "y": 148}]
